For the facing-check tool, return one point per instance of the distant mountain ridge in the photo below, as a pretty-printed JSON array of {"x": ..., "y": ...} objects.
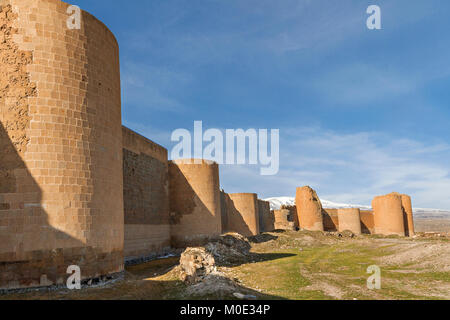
[{"x": 422, "y": 213}]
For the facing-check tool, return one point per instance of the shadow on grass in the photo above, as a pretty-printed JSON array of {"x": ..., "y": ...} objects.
[{"x": 261, "y": 238}]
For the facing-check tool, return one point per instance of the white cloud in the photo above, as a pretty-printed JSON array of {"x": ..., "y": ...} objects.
[{"x": 352, "y": 168}]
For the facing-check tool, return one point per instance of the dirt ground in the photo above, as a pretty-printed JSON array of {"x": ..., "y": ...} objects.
[{"x": 293, "y": 265}]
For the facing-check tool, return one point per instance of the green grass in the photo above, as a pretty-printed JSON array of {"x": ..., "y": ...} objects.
[{"x": 344, "y": 265}]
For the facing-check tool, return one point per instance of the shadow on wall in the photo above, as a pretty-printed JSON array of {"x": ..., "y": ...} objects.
[
  {"x": 234, "y": 218},
  {"x": 32, "y": 252},
  {"x": 183, "y": 197},
  {"x": 329, "y": 224},
  {"x": 139, "y": 285},
  {"x": 192, "y": 222}
]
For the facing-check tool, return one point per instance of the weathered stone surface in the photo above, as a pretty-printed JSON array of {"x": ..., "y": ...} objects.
[
  {"x": 350, "y": 219},
  {"x": 309, "y": 209},
  {"x": 243, "y": 214},
  {"x": 388, "y": 215},
  {"x": 408, "y": 215},
  {"x": 146, "y": 197},
  {"x": 196, "y": 264},
  {"x": 61, "y": 195},
  {"x": 195, "y": 209}
]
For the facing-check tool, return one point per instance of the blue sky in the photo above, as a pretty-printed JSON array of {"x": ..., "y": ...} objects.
[{"x": 361, "y": 112}]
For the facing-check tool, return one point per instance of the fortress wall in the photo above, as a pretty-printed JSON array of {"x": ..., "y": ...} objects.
[
  {"x": 61, "y": 195},
  {"x": 145, "y": 195},
  {"x": 243, "y": 214},
  {"x": 349, "y": 219},
  {"x": 195, "y": 202},
  {"x": 224, "y": 205},
  {"x": 367, "y": 222},
  {"x": 264, "y": 214},
  {"x": 309, "y": 209},
  {"x": 388, "y": 215},
  {"x": 283, "y": 220},
  {"x": 293, "y": 217},
  {"x": 408, "y": 217},
  {"x": 330, "y": 220}
]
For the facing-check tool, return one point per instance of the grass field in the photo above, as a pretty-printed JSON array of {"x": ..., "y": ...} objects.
[{"x": 299, "y": 266}]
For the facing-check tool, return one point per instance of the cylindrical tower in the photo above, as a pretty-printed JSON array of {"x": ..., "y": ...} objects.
[
  {"x": 309, "y": 209},
  {"x": 388, "y": 215},
  {"x": 195, "y": 208},
  {"x": 349, "y": 219},
  {"x": 408, "y": 215},
  {"x": 243, "y": 217},
  {"x": 61, "y": 197}
]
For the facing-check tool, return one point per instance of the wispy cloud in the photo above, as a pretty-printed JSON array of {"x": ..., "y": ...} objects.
[
  {"x": 151, "y": 87},
  {"x": 354, "y": 167}
]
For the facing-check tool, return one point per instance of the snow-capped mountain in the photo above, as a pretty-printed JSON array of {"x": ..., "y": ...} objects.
[{"x": 277, "y": 202}]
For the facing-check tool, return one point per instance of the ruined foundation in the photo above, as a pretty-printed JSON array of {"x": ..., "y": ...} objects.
[
  {"x": 195, "y": 202},
  {"x": 388, "y": 215},
  {"x": 283, "y": 220},
  {"x": 145, "y": 196},
  {"x": 309, "y": 209},
  {"x": 243, "y": 214},
  {"x": 350, "y": 219},
  {"x": 61, "y": 200}
]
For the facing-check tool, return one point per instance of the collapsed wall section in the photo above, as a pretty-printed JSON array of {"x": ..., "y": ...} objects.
[
  {"x": 146, "y": 197},
  {"x": 61, "y": 195},
  {"x": 283, "y": 220},
  {"x": 195, "y": 201},
  {"x": 408, "y": 217},
  {"x": 309, "y": 209}
]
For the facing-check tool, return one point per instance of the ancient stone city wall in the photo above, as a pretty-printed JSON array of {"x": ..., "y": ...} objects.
[
  {"x": 408, "y": 218},
  {"x": 388, "y": 215},
  {"x": 242, "y": 214},
  {"x": 61, "y": 189},
  {"x": 77, "y": 188},
  {"x": 349, "y": 219},
  {"x": 283, "y": 220},
  {"x": 330, "y": 220},
  {"x": 145, "y": 196},
  {"x": 195, "y": 204},
  {"x": 266, "y": 222},
  {"x": 367, "y": 222}
]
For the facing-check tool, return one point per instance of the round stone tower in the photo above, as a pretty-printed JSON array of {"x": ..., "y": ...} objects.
[
  {"x": 388, "y": 215},
  {"x": 243, "y": 217},
  {"x": 408, "y": 215},
  {"x": 195, "y": 208},
  {"x": 61, "y": 197},
  {"x": 349, "y": 219},
  {"x": 309, "y": 209}
]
